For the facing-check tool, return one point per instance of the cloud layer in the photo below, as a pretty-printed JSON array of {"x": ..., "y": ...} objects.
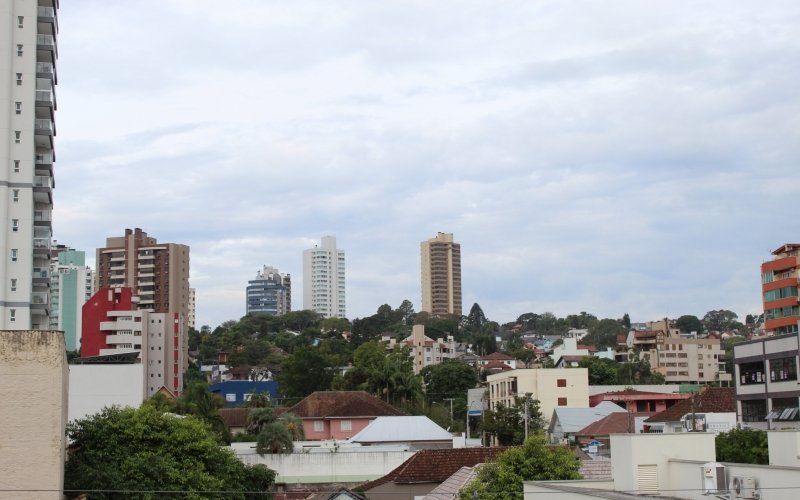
[{"x": 636, "y": 157}]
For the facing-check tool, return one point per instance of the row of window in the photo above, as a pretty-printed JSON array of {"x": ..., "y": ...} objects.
[
  {"x": 782, "y": 312},
  {"x": 780, "y": 370},
  {"x": 780, "y": 293}
]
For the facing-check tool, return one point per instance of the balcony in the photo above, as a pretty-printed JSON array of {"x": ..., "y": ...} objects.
[
  {"x": 46, "y": 70},
  {"x": 44, "y": 129},
  {"x": 46, "y": 99},
  {"x": 43, "y": 189},
  {"x": 42, "y": 218},
  {"x": 47, "y": 43},
  {"x": 40, "y": 303},
  {"x": 44, "y": 161},
  {"x": 48, "y": 15},
  {"x": 41, "y": 245}
]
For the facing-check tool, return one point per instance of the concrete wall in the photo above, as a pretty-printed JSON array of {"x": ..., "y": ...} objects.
[
  {"x": 33, "y": 382},
  {"x": 635, "y": 452},
  {"x": 93, "y": 387},
  {"x": 324, "y": 467}
]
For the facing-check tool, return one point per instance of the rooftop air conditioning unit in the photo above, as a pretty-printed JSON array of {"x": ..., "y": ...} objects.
[{"x": 744, "y": 487}]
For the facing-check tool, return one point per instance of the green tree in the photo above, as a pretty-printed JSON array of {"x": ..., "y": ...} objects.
[
  {"x": 274, "y": 438},
  {"x": 141, "y": 450},
  {"x": 688, "y": 323},
  {"x": 742, "y": 446},
  {"x": 604, "y": 333},
  {"x": 475, "y": 319},
  {"x": 448, "y": 379},
  {"x": 722, "y": 320},
  {"x": 306, "y": 370},
  {"x": 601, "y": 371},
  {"x": 533, "y": 461},
  {"x": 507, "y": 423},
  {"x": 197, "y": 400},
  {"x": 626, "y": 321}
]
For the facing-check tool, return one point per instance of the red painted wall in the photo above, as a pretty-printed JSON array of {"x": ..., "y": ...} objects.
[{"x": 95, "y": 311}]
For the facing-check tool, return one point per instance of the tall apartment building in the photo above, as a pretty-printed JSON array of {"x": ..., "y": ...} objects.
[
  {"x": 780, "y": 278},
  {"x": 116, "y": 329},
  {"x": 27, "y": 129},
  {"x": 441, "y": 275},
  {"x": 157, "y": 273},
  {"x": 323, "y": 279},
  {"x": 71, "y": 285},
  {"x": 269, "y": 293}
]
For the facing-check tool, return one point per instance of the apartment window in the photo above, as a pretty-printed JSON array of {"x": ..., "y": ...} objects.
[
  {"x": 13, "y": 255},
  {"x": 230, "y": 397},
  {"x": 19, "y": 50},
  {"x": 782, "y": 369},
  {"x": 19, "y": 21},
  {"x": 16, "y": 166},
  {"x": 562, "y": 382},
  {"x": 13, "y": 284},
  {"x": 12, "y": 315},
  {"x": 19, "y": 79},
  {"x": 562, "y": 401},
  {"x": 346, "y": 425},
  {"x": 751, "y": 373},
  {"x": 319, "y": 426},
  {"x": 15, "y": 195},
  {"x": 754, "y": 410},
  {"x": 17, "y": 136},
  {"x": 18, "y": 107},
  {"x": 15, "y": 225}
]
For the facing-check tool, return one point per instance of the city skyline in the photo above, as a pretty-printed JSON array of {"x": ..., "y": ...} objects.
[{"x": 615, "y": 159}]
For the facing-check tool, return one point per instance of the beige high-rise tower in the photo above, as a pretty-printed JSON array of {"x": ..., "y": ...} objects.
[
  {"x": 441, "y": 275},
  {"x": 158, "y": 273}
]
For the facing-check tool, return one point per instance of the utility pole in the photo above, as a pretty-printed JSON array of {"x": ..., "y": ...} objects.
[{"x": 451, "y": 411}]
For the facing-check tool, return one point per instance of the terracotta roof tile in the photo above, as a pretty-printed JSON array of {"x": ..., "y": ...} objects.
[
  {"x": 615, "y": 423},
  {"x": 234, "y": 417},
  {"x": 496, "y": 365},
  {"x": 343, "y": 404},
  {"x": 434, "y": 465},
  {"x": 711, "y": 399},
  {"x": 497, "y": 356}
]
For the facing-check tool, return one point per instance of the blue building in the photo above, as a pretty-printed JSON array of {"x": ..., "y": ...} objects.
[
  {"x": 237, "y": 392},
  {"x": 269, "y": 293}
]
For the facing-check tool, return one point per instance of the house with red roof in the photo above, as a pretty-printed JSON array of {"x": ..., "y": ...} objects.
[
  {"x": 714, "y": 410},
  {"x": 424, "y": 471},
  {"x": 639, "y": 401},
  {"x": 340, "y": 414},
  {"x": 494, "y": 359}
]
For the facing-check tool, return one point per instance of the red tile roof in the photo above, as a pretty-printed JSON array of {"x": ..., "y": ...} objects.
[
  {"x": 234, "y": 417},
  {"x": 497, "y": 356},
  {"x": 434, "y": 465},
  {"x": 614, "y": 423},
  {"x": 710, "y": 400},
  {"x": 328, "y": 404},
  {"x": 590, "y": 348},
  {"x": 497, "y": 366}
]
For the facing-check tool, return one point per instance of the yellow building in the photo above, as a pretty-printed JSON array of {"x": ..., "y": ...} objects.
[{"x": 553, "y": 387}]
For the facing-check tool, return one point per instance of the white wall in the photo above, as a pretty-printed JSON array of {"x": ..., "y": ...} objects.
[
  {"x": 341, "y": 466},
  {"x": 93, "y": 387}
]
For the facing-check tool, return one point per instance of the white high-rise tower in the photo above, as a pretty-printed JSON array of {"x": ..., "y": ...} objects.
[
  {"x": 323, "y": 279},
  {"x": 27, "y": 103}
]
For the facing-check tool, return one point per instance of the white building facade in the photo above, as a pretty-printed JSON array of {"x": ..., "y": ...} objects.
[
  {"x": 27, "y": 129},
  {"x": 324, "y": 279}
]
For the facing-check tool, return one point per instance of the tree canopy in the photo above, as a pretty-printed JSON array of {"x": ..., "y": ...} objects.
[
  {"x": 144, "y": 450},
  {"x": 742, "y": 446},
  {"x": 507, "y": 423},
  {"x": 533, "y": 461}
]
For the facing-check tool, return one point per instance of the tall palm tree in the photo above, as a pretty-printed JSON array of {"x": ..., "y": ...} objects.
[
  {"x": 257, "y": 418},
  {"x": 274, "y": 438},
  {"x": 294, "y": 425}
]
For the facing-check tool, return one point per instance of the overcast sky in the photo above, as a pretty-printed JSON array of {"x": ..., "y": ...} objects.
[{"x": 607, "y": 157}]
